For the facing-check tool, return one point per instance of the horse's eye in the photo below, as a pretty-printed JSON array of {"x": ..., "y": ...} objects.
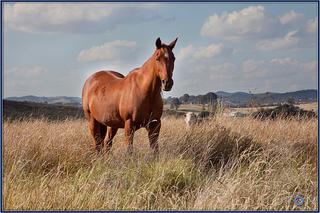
[{"x": 158, "y": 59}]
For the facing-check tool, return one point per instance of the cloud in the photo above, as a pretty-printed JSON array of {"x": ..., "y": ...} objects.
[
  {"x": 276, "y": 75},
  {"x": 288, "y": 41},
  {"x": 304, "y": 37},
  {"x": 109, "y": 51},
  {"x": 224, "y": 71},
  {"x": 312, "y": 25},
  {"x": 185, "y": 52},
  {"x": 26, "y": 72},
  {"x": 250, "y": 66},
  {"x": 24, "y": 80},
  {"x": 249, "y": 22},
  {"x": 208, "y": 52},
  {"x": 279, "y": 68},
  {"x": 272, "y": 32},
  {"x": 290, "y": 17},
  {"x": 74, "y": 18},
  {"x": 280, "y": 74}
]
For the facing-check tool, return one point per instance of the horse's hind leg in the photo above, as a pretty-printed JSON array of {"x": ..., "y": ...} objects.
[
  {"x": 111, "y": 132},
  {"x": 98, "y": 132}
]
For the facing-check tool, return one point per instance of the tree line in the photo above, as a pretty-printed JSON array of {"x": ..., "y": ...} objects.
[{"x": 210, "y": 98}]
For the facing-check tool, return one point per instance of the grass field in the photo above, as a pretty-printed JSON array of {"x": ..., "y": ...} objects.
[{"x": 225, "y": 164}]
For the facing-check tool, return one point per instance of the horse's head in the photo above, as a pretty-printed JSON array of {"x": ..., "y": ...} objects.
[{"x": 165, "y": 63}]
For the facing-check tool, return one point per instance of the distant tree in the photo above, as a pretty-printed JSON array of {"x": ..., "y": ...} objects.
[
  {"x": 200, "y": 99},
  {"x": 169, "y": 99},
  {"x": 211, "y": 99},
  {"x": 184, "y": 98},
  {"x": 174, "y": 103},
  {"x": 192, "y": 99},
  {"x": 291, "y": 101}
]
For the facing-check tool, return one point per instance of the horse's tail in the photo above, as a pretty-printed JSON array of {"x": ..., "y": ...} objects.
[{"x": 85, "y": 101}]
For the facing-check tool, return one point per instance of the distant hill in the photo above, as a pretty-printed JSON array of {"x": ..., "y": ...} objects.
[
  {"x": 242, "y": 98},
  {"x": 230, "y": 98},
  {"x": 17, "y": 110},
  {"x": 61, "y": 100},
  {"x": 245, "y": 99}
]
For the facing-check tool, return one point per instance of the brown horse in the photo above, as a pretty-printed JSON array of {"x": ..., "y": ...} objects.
[{"x": 111, "y": 101}]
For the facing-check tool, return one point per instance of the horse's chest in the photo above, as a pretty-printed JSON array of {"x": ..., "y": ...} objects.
[{"x": 142, "y": 111}]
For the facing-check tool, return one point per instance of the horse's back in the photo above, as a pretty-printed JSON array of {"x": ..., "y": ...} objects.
[
  {"x": 99, "y": 87},
  {"x": 100, "y": 79}
]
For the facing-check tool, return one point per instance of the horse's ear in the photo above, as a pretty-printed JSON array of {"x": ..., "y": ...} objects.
[
  {"x": 158, "y": 43},
  {"x": 173, "y": 43}
]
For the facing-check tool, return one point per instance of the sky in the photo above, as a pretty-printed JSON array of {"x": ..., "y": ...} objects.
[{"x": 51, "y": 48}]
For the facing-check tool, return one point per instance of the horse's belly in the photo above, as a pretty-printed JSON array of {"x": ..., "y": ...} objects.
[
  {"x": 107, "y": 116},
  {"x": 114, "y": 123},
  {"x": 112, "y": 120}
]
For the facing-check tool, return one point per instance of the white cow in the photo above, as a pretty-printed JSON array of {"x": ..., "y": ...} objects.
[{"x": 191, "y": 119}]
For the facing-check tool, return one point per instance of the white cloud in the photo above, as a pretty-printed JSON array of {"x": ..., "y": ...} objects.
[
  {"x": 73, "y": 17},
  {"x": 312, "y": 25},
  {"x": 311, "y": 67},
  {"x": 290, "y": 17},
  {"x": 288, "y": 41},
  {"x": 304, "y": 37},
  {"x": 26, "y": 72},
  {"x": 113, "y": 50},
  {"x": 208, "y": 52},
  {"x": 252, "y": 21},
  {"x": 185, "y": 52},
  {"x": 250, "y": 66},
  {"x": 271, "y": 32},
  {"x": 278, "y": 68},
  {"x": 276, "y": 74}
]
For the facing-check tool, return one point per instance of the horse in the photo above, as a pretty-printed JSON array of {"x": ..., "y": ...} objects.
[{"x": 111, "y": 100}]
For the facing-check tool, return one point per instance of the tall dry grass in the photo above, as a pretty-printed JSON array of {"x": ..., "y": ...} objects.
[{"x": 225, "y": 164}]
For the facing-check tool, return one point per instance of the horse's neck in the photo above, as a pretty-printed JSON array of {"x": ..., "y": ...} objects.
[{"x": 150, "y": 83}]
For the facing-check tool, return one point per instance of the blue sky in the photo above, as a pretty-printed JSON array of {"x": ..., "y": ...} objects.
[{"x": 50, "y": 49}]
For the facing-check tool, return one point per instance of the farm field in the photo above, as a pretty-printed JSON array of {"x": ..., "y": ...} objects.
[
  {"x": 309, "y": 106},
  {"x": 198, "y": 108},
  {"x": 225, "y": 164}
]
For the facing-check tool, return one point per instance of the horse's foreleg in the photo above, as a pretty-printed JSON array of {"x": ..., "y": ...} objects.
[
  {"x": 129, "y": 132},
  {"x": 111, "y": 132},
  {"x": 153, "y": 133}
]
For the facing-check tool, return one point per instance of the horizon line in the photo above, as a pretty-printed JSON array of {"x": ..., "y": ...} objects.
[{"x": 171, "y": 96}]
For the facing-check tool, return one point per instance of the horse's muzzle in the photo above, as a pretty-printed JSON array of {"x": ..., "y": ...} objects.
[{"x": 166, "y": 84}]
